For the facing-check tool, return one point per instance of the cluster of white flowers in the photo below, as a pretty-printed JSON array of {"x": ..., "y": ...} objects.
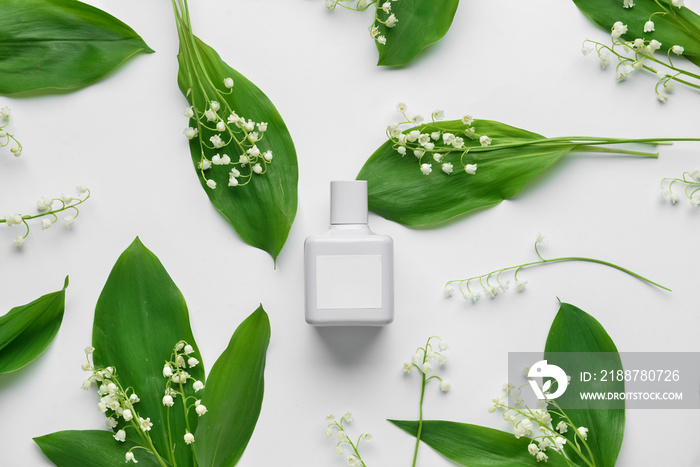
[
  {"x": 6, "y": 137},
  {"x": 219, "y": 129},
  {"x": 384, "y": 17},
  {"x": 337, "y": 426},
  {"x": 639, "y": 54},
  {"x": 49, "y": 213},
  {"x": 434, "y": 142},
  {"x": 177, "y": 377},
  {"x": 117, "y": 403},
  {"x": 489, "y": 289},
  {"x": 492, "y": 284},
  {"x": 536, "y": 424},
  {"x": 425, "y": 357},
  {"x": 691, "y": 188}
]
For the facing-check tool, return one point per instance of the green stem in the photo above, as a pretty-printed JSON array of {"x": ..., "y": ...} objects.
[
  {"x": 422, "y": 396},
  {"x": 187, "y": 420},
  {"x": 577, "y": 434},
  {"x": 420, "y": 419},
  {"x": 52, "y": 212},
  {"x": 137, "y": 426},
  {"x": 576, "y": 139},
  {"x": 533, "y": 419},
  {"x": 556, "y": 260},
  {"x": 587, "y": 148},
  {"x": 671, "y": 67},
  {"x": 171, "y": 451},
  {"x": 606, "y": 263},
  {"x": 198, "y": 76},
  {"x": 579, "y": 142},
  {"x": 655, "y": 60},
  {"x": 356, "y": 451}
]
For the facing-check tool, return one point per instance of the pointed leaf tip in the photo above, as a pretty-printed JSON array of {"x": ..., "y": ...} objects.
[
  {"x": 70, "y": 45},
  {"x": 574, "y": 330},
  {"x": 235, "y": 388},
  {"x": 26, "y": 331},
  {"x": 140, "y": 297},
  {"x": 420, "y": 24}
]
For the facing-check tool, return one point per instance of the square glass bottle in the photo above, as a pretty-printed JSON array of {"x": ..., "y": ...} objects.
[{"x": 349, "y": 270}]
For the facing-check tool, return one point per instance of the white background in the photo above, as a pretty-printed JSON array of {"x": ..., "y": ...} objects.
[{"x": 513, "y": 61}]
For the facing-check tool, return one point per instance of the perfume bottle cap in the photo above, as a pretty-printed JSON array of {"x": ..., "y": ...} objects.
[{"x": 349, "y": 202}]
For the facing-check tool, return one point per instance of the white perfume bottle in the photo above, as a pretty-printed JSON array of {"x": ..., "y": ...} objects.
[{"x": 349, "y": 269}]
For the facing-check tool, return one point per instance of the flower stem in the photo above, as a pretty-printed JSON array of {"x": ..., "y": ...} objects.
[
  {"x": 606, "y": 263},
  {"x": 587, "y": 148},
  {"x": 187, "y": 420},
  {"x": 144, "y": 436},
  {"x": 528, "y": 415},
  {"x": 420, "y": 407},
  {"x": 52, "y": 212},
  {"x": 543, "y": 260},
  {"x": 576, "y": 434}
]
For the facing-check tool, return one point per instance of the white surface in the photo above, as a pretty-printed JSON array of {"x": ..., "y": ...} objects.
[{"x": 514, "y": 61}]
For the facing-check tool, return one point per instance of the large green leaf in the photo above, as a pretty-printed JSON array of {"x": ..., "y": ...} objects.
[
  {"x": 139, "y": 317},
  {"x": 573, "y": 330},
  {"x": 475, "y": 446},
  {"x": 263, "y": 211},
  {"x": 91, "y": 448},
  {"x": 58, "y": 45},
  {"x": 26, "y": 331},
  {"x": 421, "y": 23},
  {"x": 400, "y": 192},
  {"x": 680, "y": 27},
  {"x": 234, "y": 394}
]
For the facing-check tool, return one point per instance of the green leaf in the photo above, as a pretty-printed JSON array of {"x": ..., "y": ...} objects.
[
  {"x": 421, "y": 23},
  {"x": 400, "y": 192},
  {"x": 26, "y": 331},
  {"x": 59, "y": 45},
  {"x": 573, "y": 330},
  {"x": 262, "y": 212},
  {"x": 475, "y": 446},
  {"x": 91, "y": 448},
  {"x": 139, "y": 317},
  {"x": 677, "y": 27},
  {"x": 234, "y": 394}
]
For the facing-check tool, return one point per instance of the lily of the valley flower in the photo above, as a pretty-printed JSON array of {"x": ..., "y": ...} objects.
[
  {"x": 338, "y": 426},
  {"x": 5, "y": 137},
  {"x": 116, "y": 402},
  {"x": 690, "y": 183},
  {"x": 49, "y": 208},
  {"x": 492, "y": 284},
  {"x": 439, "y": 144},
  {"x": 215, "y": 126},
  {"x": 435, "y": 349},
  {"x": 638, "y": 54},
  {"x": 536, "y": 424},
  {"x": 384, "y": 17}
]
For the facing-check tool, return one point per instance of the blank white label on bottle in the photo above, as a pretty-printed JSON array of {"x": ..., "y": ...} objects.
[{"x": 348, "y": 281}]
